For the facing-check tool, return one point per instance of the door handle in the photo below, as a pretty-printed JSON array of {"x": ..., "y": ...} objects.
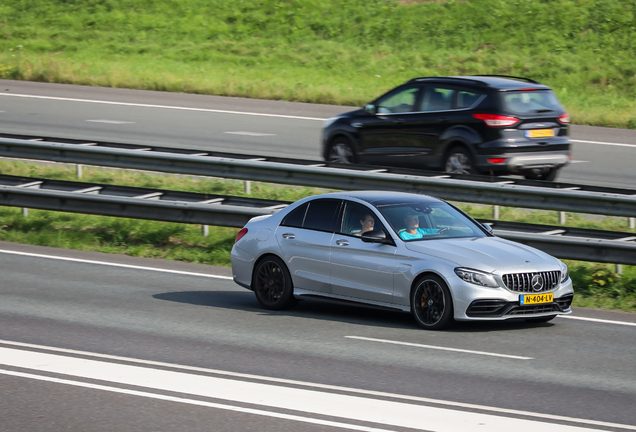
[
  {"x": 342, "y": 242},
  {"x": 289, "y": 236}
]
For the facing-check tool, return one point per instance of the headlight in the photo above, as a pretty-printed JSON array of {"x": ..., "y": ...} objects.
[
  {"x": 328, "y": 122},
  {"x": 476, "y": 277},
  {"x": 564, "y": 272}
]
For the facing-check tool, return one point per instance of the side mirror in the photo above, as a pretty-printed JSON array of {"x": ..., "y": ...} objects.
[
  {"x": 376, "y": 236},
  {"x": 370, "y": 108},
  {"x": 488, "y": 228}
]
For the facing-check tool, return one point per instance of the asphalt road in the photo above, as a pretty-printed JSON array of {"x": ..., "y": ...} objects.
[
  {"x": 98, "y": 342},
  {"x": 602, "y": 156}
]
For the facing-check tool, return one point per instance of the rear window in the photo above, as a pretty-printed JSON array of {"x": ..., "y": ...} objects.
[{"x": 531, "y": 102}]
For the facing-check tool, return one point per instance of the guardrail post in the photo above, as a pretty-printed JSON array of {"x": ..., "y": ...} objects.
[
  {"x": 206, "y": 230},
  {"x": 632, "y": 223},
  {"x": 495, "y": 212},
  {"x": 248, "y": 187},
  {"x": 25, "y": 212},
  {"x": 562, "y": 218},
  {"x": 619, "y": 269},
  {"x": 79, "y": 171}
]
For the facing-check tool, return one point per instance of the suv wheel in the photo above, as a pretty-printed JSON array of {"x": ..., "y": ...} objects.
[
  {"x": 340, "y": 151},
  {"x": 549, "y": 174},
  {"x": 459, "y": 161}
]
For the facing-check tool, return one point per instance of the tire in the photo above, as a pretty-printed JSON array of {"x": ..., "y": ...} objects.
[
  {"x": 431, "y": 303},
  {"x": 541, "y": 319},
  {"x": 547, "y": 175},
  {"x": 273, "y": 285},
  {"x": 341, "y": 151},
  {"x": 459, "y": 161}
]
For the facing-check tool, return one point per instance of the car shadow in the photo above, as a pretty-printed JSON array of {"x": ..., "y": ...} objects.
[{"x": 330, "y": 311}]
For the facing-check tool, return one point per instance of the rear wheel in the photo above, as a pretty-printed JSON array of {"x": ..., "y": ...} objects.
[
  {"x": 272, "y": 284},
  {"x": 341, "y": 151},
  {"x": 431, "y": 303},
  {"x": 549, "y": 174},
  {"x": 459, "y": 161}
]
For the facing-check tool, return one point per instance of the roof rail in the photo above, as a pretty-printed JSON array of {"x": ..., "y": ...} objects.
[
  {"x": 449, "y": 78},
  {"x": 510, "y": 77}
]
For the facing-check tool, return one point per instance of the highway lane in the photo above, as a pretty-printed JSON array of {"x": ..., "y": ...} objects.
[
  {"x": 120, "y": 318},
  {"x": 602, "y": 156}
]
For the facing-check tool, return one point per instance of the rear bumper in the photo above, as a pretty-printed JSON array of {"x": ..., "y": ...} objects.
[{"x": 523, "y": 162}]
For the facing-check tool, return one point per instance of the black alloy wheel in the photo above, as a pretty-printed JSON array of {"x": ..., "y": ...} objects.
[
  {"x": 431, "y": 303},
  {"x": 459, "y": 161},
  {"x": 341, "y": 151},
  {"x": 272, "y": 284}
]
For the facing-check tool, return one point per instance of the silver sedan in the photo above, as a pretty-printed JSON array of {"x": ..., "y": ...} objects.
[{"x": 400, "y": 251}]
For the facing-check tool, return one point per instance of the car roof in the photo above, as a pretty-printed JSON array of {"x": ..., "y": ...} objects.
[
  {"x": 498, "y": 82},
  {"x": 381, "y": 198}
]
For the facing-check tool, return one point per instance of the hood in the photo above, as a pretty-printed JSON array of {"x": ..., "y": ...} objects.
[{"x": 488, "y": 254}]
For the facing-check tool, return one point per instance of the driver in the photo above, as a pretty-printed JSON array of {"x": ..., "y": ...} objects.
[{"x": 413, "y": 230}]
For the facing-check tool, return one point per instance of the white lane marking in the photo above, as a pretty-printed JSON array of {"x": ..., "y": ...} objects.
[
  {"x": 117, "y": 122},
  {"x": 598, "y": 320},
  {"x": 114, "y": 264},
  {"x": 579, "y": 161},
  {"x": 194, "y": 402},
  {"x": 162, "y": 106},
  {"x": 604, "y": 143},
  {"x": 367, "y": 393},
  {"x": 384, "y": 412},
  {"x": 439, "y": 348},
  {"x": 256, "y": 134}
]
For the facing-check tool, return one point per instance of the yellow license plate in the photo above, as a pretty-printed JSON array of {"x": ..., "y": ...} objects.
[
  {"x": 527, "y": 299},
  {"x": 539, "y": 133}
]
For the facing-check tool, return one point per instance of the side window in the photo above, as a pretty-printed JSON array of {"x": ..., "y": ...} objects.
[
  {"x": 466, "y": 99},
  {"x": 400, "y": 101},
  {"x": 321, "y": 214},
  {"x": 358, "y": 219},
  {"x": 437, "y": 99},
  {"x": 296, "y": 217}
]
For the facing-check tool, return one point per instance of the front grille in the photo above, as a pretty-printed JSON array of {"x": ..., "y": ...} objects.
[
  {"x": 533, "y": 309},
  {"x": 523, "y": 282}
]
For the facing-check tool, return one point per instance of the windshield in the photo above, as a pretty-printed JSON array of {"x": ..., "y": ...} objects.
[
  {"x": 425, "y": 221},
  {"x": 531, "y": 102}
]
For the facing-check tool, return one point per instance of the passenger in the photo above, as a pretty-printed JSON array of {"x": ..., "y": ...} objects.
[
  {"x": 413, "y": 230},
  {"x": 367, "y": 223}
]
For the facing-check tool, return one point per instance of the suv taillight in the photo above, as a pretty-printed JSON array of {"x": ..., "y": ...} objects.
[
  {"x": 240, "y": 234},
  {"x": 496, "y": 120},
  {"x": 564, "y": 118}
]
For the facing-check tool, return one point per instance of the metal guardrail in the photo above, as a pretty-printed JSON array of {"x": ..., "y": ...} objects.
[
  {"x": 222, "y": 210},
  {"x": 474, "y": 189}
]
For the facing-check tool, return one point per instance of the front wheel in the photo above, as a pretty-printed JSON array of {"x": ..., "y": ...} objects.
[
  {"x": 272, "y": 284},
  {"x": 431, "y": 303},
  {"x": 459, "y": 161},
  {"x": 341, "y": 151}
]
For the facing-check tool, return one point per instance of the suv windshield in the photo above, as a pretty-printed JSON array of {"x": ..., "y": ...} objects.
[
  {"x": 531, "y": 102},
  {"x": 422, "y": 221}
]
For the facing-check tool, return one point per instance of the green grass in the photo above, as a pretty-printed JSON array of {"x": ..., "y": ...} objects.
[
  {"x": 327, "y": 51},
  {"x": 596, "y": 285}
]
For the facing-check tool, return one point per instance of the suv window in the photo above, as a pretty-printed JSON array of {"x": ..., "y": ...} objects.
[
  {"x": 466, "y": 99},
  {"x": 531, "y": 102},
  {"x": 399, "y": 101},
  {"x": 437, "y": 99}
]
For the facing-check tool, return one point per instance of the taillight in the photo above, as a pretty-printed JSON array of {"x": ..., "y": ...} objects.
[
  {"x": 497, "y": 160},
  {"x": 564, "y": 118},
  {"x": 496, "y": 120},
  {"x": 240, "y": 234}
]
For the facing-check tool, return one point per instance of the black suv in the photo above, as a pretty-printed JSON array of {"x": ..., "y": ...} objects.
[{"x": 486, "y": 124}]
